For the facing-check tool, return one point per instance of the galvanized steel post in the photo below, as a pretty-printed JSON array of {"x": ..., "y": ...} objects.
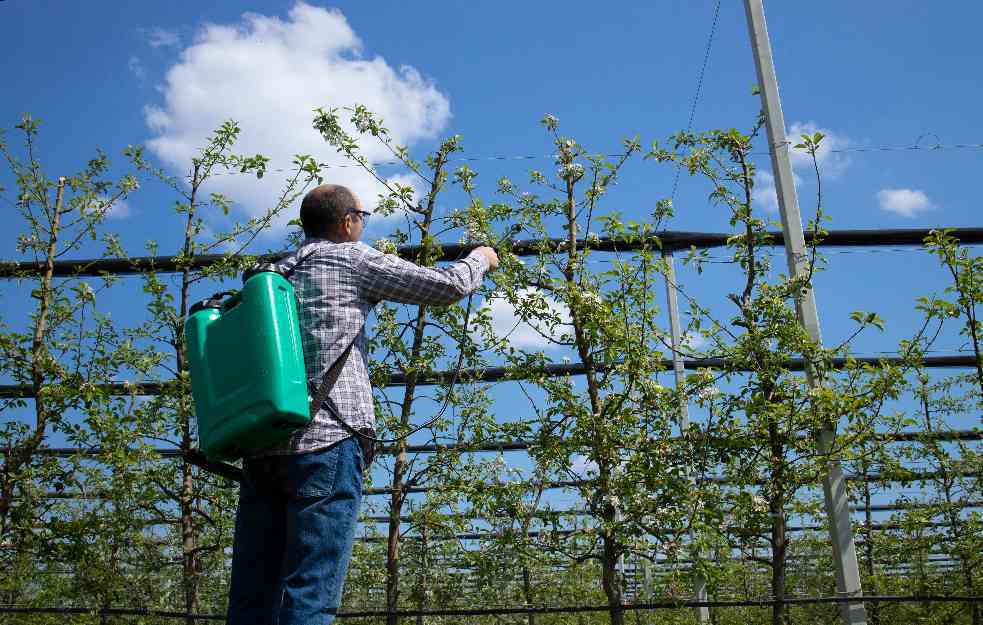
[
  {"x": 699, "y": 582},
  {"x": 834, "y": 485}
]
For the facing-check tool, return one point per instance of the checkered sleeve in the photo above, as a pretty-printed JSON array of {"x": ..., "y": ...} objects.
[{"x": 388, "y": 277}]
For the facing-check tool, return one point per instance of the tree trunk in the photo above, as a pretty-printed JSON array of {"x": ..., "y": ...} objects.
[
  {"x": 527, "y": 591},
  {"x": 392, "y": 544},
  {"x": 778, "y": 547},
  {"x": 424, "y": 578},
  {"x": 20, "y": 456},
  {"x": 188, "y": 534},
  {"x": 186, "y": 495},
  {"x": 975, "y": 612},
  {"x": 776, "y": 508},
  {"x": 609, "y": 555},
  {"x": 610, "y": 581},
  {"x": 399, "y": 469}
]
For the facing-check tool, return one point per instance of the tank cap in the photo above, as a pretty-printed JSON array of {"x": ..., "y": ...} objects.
[
  {"x": 211, "y": 302},
  {"x": 259, "y": 268}
]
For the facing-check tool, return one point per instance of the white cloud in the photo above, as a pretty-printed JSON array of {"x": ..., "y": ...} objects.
[
  {"x": 162, "y": 38},
  {"x": 269, "y": 74},
  {"x": 136, "y": 67},
  {"x": 831, "y": 164},
  {"x": 904, "y": 202},
  {"x": 694, "y": 341},
  {"x": 583, "y": 466},
  {"x": 120, "y": 209},
  {"x": 765, "y": 194},
  {"x": 156, "y": 119},
  {"x": 522, "y": 334}
]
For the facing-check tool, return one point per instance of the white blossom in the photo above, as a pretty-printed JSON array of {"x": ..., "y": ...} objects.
[
  {"x": 475, "y": 234},
  {"x": 759, "y": 503},
  {"x": 385, "y": 246},
  {"x": 573, "y": 171},
  {"x": 708, "y": 392},
  {"x": 592, "y": 297}
]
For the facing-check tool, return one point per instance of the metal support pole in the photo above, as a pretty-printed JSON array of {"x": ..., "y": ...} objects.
[
  {"x": 834, "y": 486},
  {"x": 699, "y": 582}
]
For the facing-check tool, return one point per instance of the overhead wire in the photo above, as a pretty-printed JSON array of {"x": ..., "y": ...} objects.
[
  {"x": 529, "y": 157},
  {"x": 699, "y": 91}
]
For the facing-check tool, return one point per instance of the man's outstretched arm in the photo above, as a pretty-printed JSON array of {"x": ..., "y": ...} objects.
[{"x": 388, "y": 277}]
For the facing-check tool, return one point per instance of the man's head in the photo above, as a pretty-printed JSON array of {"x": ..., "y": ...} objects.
[{"x": 333, "y": 212}]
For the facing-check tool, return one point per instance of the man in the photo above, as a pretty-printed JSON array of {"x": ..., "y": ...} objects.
[{"x": 298, "y": 502}]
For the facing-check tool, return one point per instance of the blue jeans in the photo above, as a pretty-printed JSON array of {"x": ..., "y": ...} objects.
[{"x": 293, "y": 538}]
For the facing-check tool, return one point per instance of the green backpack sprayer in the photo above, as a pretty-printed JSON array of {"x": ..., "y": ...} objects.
[
  {"x": 248, "y": 377},
  {"x": 246, "y": 361}
]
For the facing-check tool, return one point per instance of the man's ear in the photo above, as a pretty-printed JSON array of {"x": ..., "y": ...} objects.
[{"x": 348, "y": 226}]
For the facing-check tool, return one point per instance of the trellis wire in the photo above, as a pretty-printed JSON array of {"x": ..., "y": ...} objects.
[{"x": 915, "y": 147}]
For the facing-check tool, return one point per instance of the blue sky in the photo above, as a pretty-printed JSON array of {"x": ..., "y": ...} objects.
[
  {"x": 108, "y": 74},
  {"x": 101, "y": 74}
]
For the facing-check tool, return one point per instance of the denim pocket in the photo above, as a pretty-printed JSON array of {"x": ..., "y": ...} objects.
[{"x": 315, "y": 472}]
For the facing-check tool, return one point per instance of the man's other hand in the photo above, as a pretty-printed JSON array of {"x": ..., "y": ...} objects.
[{"x": 490, "y": 254}]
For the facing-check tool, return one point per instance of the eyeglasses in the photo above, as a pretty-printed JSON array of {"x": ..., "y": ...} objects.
[{"x": 362, "y": 215}]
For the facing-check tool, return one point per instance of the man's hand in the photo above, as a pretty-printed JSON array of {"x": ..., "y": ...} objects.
[{"x": 490, "y": 254}]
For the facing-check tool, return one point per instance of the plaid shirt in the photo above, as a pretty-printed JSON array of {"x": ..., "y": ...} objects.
[{"x": 337, "y": 287}]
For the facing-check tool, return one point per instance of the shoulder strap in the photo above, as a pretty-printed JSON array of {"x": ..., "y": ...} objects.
[
  {"x": 331, "y": 375},
  {"x": 290, "y": 272}
]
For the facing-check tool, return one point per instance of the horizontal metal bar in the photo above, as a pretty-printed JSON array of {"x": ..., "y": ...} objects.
[
  {"x": 386, "y": 450},
  {"x": 895, "y": 507},
  {"x": 893, "y": 477},
  {"x": 668, "y": 239},
  {"x": 899, "y": 507},
  {"x": 660, "y": 563},
  {"x": 497, "y": 374},
  {"x": 910, "y": 476},
  {"x": 505, "y": 445},
  {"x": 860, "y": 527}
]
